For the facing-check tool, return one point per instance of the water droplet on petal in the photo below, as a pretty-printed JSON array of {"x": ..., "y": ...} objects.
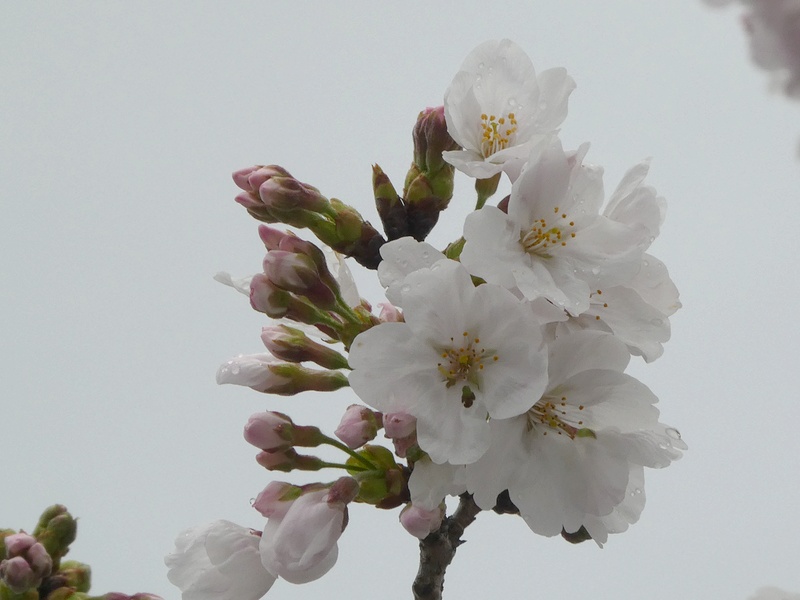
[
  {"x": 595, "y": 271},
  {"x": 657, "y": 322},
  {"x": 673, "y": 433},
  {"x": 646, "y": 263},
  {"x": 512, "y": 101},
  {"x": 252, "y": 501},
  {"x": 235, "y": 369},
  {"x": 405, "y": 288},
  {"x": 481, "y": 65}
]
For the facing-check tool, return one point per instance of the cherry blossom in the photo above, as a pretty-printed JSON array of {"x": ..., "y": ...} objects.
[
  {"x": 218, "y": 561},
  {"x": 497, "y": 107},
  {"x": 463, "y": 354},
  {"x": 553, "y": 243}
]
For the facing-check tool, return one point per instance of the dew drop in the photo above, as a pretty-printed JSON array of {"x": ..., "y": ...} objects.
[
  {"x": 235, "y": 369},
  {"x": 657, "y": 322},
  {"x": 425, "y": 254},
  {"x": 646, "y": 263},
  {"x": 652, "y": 239},
  {"x": 436, "y": 266},
  {"x": 595, "y": 271},
  {"x": 405, "y": 288},
  {"x": 252, "y": 501},
  {"x": 664, "y": 445},
  {"x": 637, "y": 491},
  {"x": 481, "y": 65},
  {"x": 512, "y": 101},
  {"x": 673, "y": 433}
]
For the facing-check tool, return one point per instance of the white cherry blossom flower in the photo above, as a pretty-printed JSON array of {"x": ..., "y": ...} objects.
[
  {"x": 401, "y": 257},
  {"x": 638, "y": 310},
  {"x": 463, "y": 354},
  {"x": 218, "y": 561},
  {"x": 573, "y": 459},
  {"x": 496, "y": 108},
  {"x": 553, "y": 243}
]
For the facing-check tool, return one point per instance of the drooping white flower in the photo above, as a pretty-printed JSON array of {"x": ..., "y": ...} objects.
[
  {"x": 553, "y": 243},
  {"x": 218, "y": 561},
  {"x": 299, "y": 543},
  {"x": 573, "y": 459},
  {"x": 496, "y": 108},
  {"x": 463, "y": 354}
]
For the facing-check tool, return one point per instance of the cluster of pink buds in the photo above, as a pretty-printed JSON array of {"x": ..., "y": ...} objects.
[{"x": 31, "y": 567}]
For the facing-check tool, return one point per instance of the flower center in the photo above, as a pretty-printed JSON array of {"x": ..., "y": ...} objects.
[
  {"x": 463, "y": 362},
  {"x": 544, "y": 235},
  {"x": 553, "y": 413},
  {"x": 497, "y": 133}
]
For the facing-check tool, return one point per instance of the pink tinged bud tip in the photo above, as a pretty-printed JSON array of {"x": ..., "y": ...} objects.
[
  {"x": 399, "y": 425},
  {"x": 250, "y": 178},
  {"x": 271, "y": 237},
  {"x": 276, "y": 498},
  {"x": 420, "y": 522}
]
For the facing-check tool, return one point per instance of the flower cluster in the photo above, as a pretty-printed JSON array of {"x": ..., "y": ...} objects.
[{"x": 497, "y": 365}]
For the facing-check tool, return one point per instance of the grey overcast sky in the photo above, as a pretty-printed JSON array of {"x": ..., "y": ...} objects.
[{"x": 120, "y": 123}]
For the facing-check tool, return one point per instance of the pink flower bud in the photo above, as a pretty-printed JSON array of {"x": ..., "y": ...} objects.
[
  {"x": 269, "y": 431},
  {"x": 358, "y": 426},
  {"x": 287, "y": 194},
  {"x": 251, "y": 178},
  {"x": 390, "y": 313},
  {"x": 420, "y": 522},
  {"x": 17, "y": 574},
  {"x": 399, "y": 425},
  {"x": 276, "y": 499},
  {"x": 18, "y": 543}
]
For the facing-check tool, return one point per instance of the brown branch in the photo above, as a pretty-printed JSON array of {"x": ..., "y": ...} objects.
[{"x": 437, "y": 550}]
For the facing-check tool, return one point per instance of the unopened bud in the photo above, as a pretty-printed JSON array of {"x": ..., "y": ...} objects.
[
  {"x": 297, "y": 273},
  {"x": 428, "y": 186},
  {"x": 399, "y": 425},
  {"x": 250, "y": 180},
  {"x": 59, "y": 533},
  {"x": 391, "y": 208},
  {"x": 269, "y": 431},
  {"x": 431, "y": 139},
  {"x": 293, "y": 345},
  {"x": 358, "y": 426},
  {"x": 420, "y": 522},
  {"x": 390, "y": 313},
  {"x": 261, "y": 373},
  {"x": 72, "y": 574},
  {"x": 289, "y": 460},
  {"x": 284, "y": 197}
]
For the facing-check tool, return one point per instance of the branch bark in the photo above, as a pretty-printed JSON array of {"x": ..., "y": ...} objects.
[{"x": 437, "y": 550}]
